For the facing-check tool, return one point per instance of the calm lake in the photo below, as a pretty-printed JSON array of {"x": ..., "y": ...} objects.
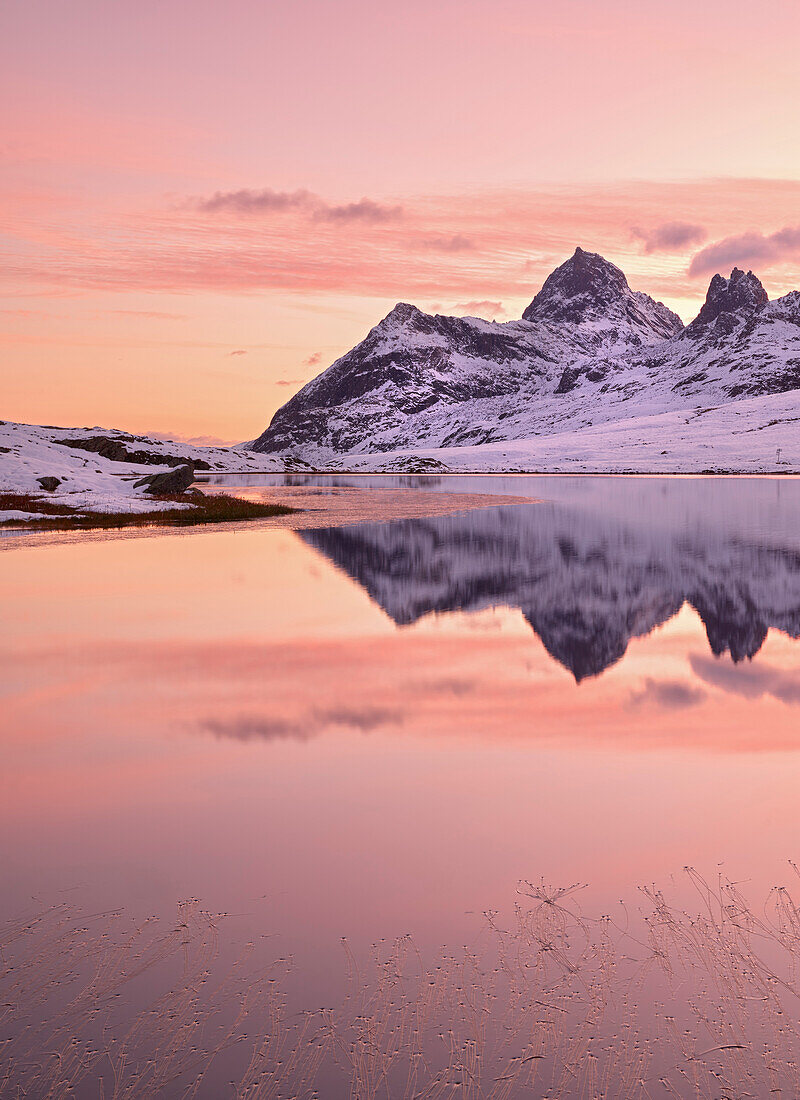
[{"x": 379, "y": 730}]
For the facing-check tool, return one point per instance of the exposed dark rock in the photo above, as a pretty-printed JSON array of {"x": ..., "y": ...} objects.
[
  {"x": 170, "y": 481},
  {"x": 116, "y": 451},
  {"x": 596, "y": 374},
  {"x": 586, "y": 286},
  {"x": 49, "y": 484},
  {"x": 568, "y": 380},
  {"x": 730, "y": 301},
  {"x": 414, "y": 464}
]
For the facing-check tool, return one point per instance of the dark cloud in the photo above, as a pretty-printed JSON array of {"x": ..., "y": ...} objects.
[
  {"x": 365, "y": 210},
  {"x": 670, "y": 694},
  {"x": 746, "y": 250},
  {"x": 481, "y": 309},
  {"x": 365, "y": 719},
  {"x": 256, "y": 728},
  {"x": 669, "y": 237},
  {"x": 256, "y": 202},
  {"x": 751, "y": 681},
  {"x": 457, "y": 243},
  {"x": 250, "y": 202}
]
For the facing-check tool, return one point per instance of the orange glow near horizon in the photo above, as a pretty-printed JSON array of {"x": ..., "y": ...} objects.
[{"x": 202, "y": 206}]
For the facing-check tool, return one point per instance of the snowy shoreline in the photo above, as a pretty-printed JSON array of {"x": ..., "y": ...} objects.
[{"x": 99, "y": 470}]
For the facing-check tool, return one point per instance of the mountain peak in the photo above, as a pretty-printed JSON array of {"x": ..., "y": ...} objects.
[
  {"x": 589, "y": 291},
  {"x": 740, "y": 295},
  {"x": 402, "y": 313},
  {"x": 583, "y": 281}
]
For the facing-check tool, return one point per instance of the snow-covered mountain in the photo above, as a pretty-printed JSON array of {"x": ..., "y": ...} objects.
[
  {"x": 588, "y": 351},
  {"x": 587, "y": 579}
]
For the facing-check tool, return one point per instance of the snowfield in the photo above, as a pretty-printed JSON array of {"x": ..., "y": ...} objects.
[{"x": 755, "y": 435}]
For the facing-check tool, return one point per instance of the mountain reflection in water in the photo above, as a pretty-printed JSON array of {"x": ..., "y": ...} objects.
[
  {"x": 228, "y": 715},
  {"x": 587, "y": 583}
]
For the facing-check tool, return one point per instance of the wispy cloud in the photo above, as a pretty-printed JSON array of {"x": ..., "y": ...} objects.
[
  {"x": 481, "y": 308},
  {"x": 313, "y": 359},
  {"x": 457, "y": 243},
  {"x": 260, "y": 727},
  {"x": 669, "y": 236},
  {"x": 364, "y": 718},
  {"x": 365, "y": 210},
  {"x": 489, "y": 246},
  {"x": 290, "y": 381},
  {"x": 238, "y": 351},
  {"x": 748, "y": 249},
  {"x": 150, "y": 314},
  {"x": 251, "y": 203},
  {"x": 247, "y": 201},
  {"x": 256, "y": 727}
]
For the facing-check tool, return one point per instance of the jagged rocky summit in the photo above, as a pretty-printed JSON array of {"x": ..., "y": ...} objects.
[{"x": 588, "y": 350}]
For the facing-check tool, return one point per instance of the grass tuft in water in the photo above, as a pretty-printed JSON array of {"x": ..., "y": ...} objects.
[{"x": 548, "y": 1002}]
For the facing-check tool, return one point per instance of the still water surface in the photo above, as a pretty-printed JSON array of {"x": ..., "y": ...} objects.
[{"x": 380, "y": 729}]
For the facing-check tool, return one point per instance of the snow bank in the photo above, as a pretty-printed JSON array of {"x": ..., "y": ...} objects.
[{"x": 90, "y": 482}]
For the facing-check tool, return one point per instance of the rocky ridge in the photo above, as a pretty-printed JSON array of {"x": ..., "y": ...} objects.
[{"x": 588, "y": 350}]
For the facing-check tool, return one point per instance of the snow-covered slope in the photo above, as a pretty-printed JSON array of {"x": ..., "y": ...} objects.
[
  {"x": 588, "y": 351},
  {"x": 97, "y": 468},
  {"x": 750, "y": 435}
]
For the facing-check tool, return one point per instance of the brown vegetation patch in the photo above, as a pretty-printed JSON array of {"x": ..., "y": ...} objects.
[{"x": 212, "y": 508}]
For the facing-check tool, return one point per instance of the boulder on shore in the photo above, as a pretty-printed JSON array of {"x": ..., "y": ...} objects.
[
  {"x": 168, "y": 481},
  {"x": 49, "y": 484}
]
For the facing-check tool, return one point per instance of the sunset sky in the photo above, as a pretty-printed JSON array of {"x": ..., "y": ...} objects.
[{"x": 202, "y": 205}]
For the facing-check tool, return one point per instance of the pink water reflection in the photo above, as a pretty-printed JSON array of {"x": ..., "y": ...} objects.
[{"x": 232, "y": 717}]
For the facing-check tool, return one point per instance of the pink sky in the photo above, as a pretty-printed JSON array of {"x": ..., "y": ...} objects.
[{"x": 202, "y": 205}]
